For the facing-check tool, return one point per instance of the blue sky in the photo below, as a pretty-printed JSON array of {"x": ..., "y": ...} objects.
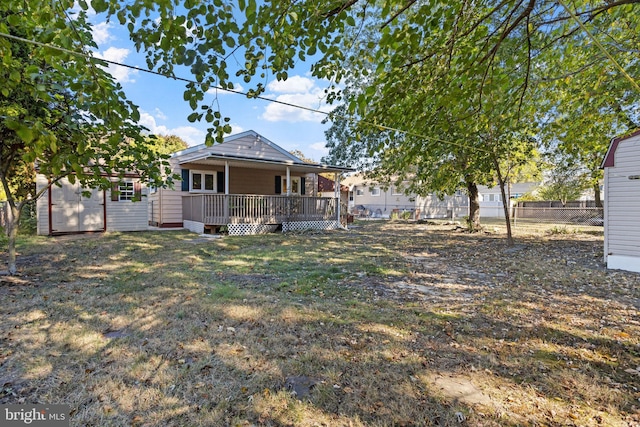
[{"x": 164, "y": 111}]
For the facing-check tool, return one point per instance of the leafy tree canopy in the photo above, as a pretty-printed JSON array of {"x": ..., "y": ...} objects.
[{"x": 60, "y": 111}]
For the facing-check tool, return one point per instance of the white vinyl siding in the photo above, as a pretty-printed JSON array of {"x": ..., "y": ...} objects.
[
  {"x": 622, "y": 227},
  {"x": 129, "y": 216}
]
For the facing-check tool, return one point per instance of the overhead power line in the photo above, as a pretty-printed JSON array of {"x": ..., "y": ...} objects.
[
  {"x": 600, "y": 46},
  {"x": 237, "y": 92}
]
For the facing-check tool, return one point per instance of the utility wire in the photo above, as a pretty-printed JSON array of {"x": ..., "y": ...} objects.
[
  {"x": 600, "y": 46},
  {"x": 237, "y": 92}
]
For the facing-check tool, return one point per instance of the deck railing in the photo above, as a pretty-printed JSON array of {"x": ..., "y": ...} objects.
[{"x": 221, "y": 209}]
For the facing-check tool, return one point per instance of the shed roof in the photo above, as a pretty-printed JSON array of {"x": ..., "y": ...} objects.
[{"x": 609, "y": 158}]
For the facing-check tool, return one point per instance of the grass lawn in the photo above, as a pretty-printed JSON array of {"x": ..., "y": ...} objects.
[{"x": 389, "y": 324}]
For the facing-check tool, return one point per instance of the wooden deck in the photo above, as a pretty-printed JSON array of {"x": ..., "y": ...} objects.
[{"x": 223, "y": 209}]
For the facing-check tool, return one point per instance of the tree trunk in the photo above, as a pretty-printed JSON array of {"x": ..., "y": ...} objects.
[
  {"x": 13, "y": 221},
  {"x": 596, "y": 192},
  {"x": 505, "y": 202},
  {"x": 474, "y": 206}
]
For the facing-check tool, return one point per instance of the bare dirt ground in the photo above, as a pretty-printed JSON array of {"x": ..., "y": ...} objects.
[{"x": 390, "y": 323}]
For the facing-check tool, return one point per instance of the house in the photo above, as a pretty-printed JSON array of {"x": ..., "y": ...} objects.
[
  {"x": 370, "y": 199},
  {"x": 490, "y": 198},
  {"x": 622, "y": 203},
  {"x": 327, "y": 188},
  {"x": 63, "y": 209},
  {"x": 248, "y": 185}
]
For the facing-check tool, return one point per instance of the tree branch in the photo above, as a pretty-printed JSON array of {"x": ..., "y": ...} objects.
[
  {"x": 398, "y": 13},
  {"x": 525, "y": 13},
  {"x": 346, "y": 5}
]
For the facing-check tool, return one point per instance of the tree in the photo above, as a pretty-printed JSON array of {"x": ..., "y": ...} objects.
[
  {"x": 565, "y": 180},
  {"x": 60, "y": 112},
  {"x": 450, "y": 69},
  {"x": 168, "y": 144}
]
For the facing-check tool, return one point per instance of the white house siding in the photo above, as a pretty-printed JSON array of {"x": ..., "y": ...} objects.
[
  {"x": 166, "y": 207},
  {"x": 622, "y": 207},
  {"x": 127, "y": 215},
  {"x": 432, "y": 206},
  {"x": 42, "y": 207}
]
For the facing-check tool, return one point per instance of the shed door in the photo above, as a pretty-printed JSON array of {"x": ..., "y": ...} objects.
[{"x": 73, "y": 213}]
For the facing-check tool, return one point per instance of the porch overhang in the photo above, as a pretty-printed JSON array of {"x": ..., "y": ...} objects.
[{"x": 243, "y": 162}]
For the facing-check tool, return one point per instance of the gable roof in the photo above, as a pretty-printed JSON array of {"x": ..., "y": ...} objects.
[
  {"x": 609, "y": 158},
  {"x": 326, "y": 185},
  {"x": 246, "y": 148}
]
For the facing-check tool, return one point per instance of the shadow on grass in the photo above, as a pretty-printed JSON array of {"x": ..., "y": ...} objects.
[{"x": 152, "y": 329}]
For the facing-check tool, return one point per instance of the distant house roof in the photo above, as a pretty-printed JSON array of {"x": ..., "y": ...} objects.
[
  {"x": 326, "y": 185},
  {"x": 609, "y": 158},
  {"x": 250, "y": 149}
]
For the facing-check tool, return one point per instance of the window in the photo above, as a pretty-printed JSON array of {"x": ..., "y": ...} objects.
[
  {"x": 295, "y": 185},
  {"x": 126, "y": 191},
  {"x": 203, "y": 181},
  {"x": 359, "y": 192},
  {"x": 375, "y": 191},
  {"x": 395, "y": 191},
  {"x": 351, "y": 196}
]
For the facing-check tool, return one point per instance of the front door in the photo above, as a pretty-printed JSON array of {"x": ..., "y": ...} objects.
[{"x": 71, "y": 212}]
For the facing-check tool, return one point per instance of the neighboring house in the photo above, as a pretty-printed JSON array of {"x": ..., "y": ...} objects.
[
  {"x": 327, "y": 188},
  {"x": 62, "y": 209},
  {"x": 370, "y": 199},
  {"x": 248, "y": 185},
  {"x": 622, "y": 203},
  {"x": 490, "y": 198}
]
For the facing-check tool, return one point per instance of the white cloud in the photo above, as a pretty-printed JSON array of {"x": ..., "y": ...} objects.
[
  {"x": 320, "y": 148},
  {"x": 116, "y": 54},
  {"x": 296, "y": 91},
  {"x": 191, "y": 135},
  {"x": 294, "y": 84},
  {"x": 275, "y": 112},
  {"x": 102, "y": 33},
  {"x": 159, "y": 114}
]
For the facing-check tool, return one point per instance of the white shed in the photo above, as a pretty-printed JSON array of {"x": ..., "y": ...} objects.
[
  {"x": 622, "y": 203},
  {"x": 64, "y": 209}
]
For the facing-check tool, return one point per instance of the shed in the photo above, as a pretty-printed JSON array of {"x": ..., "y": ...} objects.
[
  {"x": 622, "y": 203},
  {"x": 64, "y": 209}
]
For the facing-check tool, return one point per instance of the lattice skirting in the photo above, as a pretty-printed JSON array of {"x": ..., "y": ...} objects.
[
  {"x": 310, "y": 225},
  {"x": 245, "y": 229}
]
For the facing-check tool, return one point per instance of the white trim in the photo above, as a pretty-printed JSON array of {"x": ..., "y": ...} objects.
[
  {"x": 623, "y": 262},
  {"x": 203, "y": 178},
  {"x": 129, "y": 194},
  {"x": 294, "y": 180},
  {"x": 371, "y": 189}
]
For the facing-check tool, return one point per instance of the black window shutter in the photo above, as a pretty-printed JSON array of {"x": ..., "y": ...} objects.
[
  {"x": 115, "y": 192},
  {"x": 302, "y": 186},
  {"x": 137, "y": 191},
  {"x": 220, "y": 182},
  {"x": 185, "y": 179},
  {"x": 278, "y": 184}
]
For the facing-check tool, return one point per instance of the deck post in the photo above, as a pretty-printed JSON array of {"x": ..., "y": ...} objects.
[
  {"x": 337, "y": 195},
  {"x": 288, "y": 181},
  {"x": 226, "y": 177}
]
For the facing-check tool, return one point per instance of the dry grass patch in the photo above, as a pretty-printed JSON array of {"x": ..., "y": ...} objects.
[{"x": 387, "y": 324}]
